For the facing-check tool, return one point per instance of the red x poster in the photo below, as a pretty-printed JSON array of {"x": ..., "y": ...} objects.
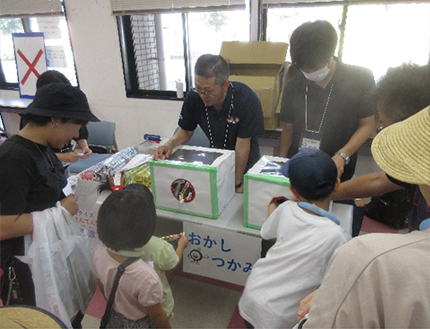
[{"x": 30, "y": 59}]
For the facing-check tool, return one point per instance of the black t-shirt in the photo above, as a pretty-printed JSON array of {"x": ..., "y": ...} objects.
[
  {"x": 400, "y": 183},
  {"x": 349, "y": 102},
  {"x": 246, "y": 119},
  {"x": 31, "y": 179}
]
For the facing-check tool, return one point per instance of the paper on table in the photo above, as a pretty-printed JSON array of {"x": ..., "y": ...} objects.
[{"x": 137, "y": 161}]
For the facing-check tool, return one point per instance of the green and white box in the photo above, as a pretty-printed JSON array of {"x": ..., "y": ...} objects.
[
  {"x": 263, "y": 182},
  {"x": 194, "y": 180}
]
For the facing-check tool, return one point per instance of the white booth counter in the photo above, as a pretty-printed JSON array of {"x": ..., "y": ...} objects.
[{"x": 221, "y": 248}]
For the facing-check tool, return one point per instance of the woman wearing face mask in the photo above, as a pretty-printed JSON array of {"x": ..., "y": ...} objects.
[{"x": 326, "y": 106}]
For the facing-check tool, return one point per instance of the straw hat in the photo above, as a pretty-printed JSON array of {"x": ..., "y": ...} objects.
[
  {"x": 402, "y": 150},
  {"x": 28, "y": 317}
]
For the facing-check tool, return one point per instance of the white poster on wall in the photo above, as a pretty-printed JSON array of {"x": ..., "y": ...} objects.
[
  {"x": 220, "y": 254},
  {"x": 30, "y": 57}
]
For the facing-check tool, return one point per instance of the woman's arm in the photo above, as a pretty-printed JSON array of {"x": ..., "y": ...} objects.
[{"x": 12, "y": 226}]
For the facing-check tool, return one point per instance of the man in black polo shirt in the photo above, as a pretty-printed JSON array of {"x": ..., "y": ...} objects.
[{"x": 228, "y": 112}]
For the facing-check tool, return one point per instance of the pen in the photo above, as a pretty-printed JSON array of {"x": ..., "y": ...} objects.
[{"x": 173, "y": 237}]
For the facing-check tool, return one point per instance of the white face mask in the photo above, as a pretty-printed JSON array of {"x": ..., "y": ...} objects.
[{"x": 319, "y": 75}]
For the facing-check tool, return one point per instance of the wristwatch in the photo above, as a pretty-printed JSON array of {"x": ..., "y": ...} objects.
[{"x": 344, "y": 156}]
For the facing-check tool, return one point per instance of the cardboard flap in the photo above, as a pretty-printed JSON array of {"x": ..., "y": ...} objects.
[
  {"x": 257, "y": 83},
  {"x": 254, "y": 52}
]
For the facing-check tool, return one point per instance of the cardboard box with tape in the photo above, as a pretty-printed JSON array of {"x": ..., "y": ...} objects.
[{"x": 259, "y": 64}]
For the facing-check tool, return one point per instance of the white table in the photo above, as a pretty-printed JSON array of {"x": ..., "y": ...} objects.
[{"x": 231, "y": 218}]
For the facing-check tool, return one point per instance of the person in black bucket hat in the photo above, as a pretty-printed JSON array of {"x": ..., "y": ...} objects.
[
  {"x": 32, "y": 179},
  {"x": 60, "y": 100},
  {"x": 67, "y": 153}
]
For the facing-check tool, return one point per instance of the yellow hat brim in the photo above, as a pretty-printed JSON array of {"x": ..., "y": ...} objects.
[
  {"x": 402, "y": 150},
  {"x": 27, "y": 317}
]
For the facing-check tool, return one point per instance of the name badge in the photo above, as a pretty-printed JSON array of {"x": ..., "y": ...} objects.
[{"x": 311, "y": 140}]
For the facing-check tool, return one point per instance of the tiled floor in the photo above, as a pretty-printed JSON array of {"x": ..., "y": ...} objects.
[
  {"x": 200, "y": 303},
  {"x": 207, "y": 303}
]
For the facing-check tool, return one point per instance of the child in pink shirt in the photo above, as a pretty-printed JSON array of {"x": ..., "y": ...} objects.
[{"x": 126, "y": 222}]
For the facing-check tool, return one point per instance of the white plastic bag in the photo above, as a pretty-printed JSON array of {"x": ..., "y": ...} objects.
[{"x": 60, "y": 260}]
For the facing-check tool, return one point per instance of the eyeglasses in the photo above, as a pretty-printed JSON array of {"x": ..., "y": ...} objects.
[{"x": 203, "y": 93}]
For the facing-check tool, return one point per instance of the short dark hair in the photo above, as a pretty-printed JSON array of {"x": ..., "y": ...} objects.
[
  {"x": 312, "y": 43},
  {"x": 51, "y": 76},
  {"x": 209, "y": 66},
  {"x": 403, "y": 91},
  {"x": 126, "y": 219},
  {"x": 41, "y": 121}
]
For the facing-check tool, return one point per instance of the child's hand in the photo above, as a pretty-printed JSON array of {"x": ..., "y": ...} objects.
[
  {"x": 306, "y": 305},
  {"x": 183, "y": 242}
]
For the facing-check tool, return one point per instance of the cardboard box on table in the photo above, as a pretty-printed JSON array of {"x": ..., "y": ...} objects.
[
  {"x": 259, "y": 64},
  {"x": 263, "y": 182},
  {"x": 194, "y": 180}
]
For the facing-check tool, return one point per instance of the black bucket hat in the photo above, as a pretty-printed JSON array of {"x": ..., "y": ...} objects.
[{"x": 60, "y": 100}]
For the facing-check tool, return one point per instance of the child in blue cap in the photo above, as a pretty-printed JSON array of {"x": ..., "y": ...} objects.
[{"x": 306, "y": 236}]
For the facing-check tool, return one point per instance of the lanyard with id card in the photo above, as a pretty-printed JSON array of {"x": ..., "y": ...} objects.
[{"x": 312, "y": 138}]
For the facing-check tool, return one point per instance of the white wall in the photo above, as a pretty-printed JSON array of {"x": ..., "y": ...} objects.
[{"x": 94, "y": 37}]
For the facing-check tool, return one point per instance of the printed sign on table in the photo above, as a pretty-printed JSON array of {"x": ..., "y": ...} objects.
[
  {"x": 220, "y": 254},
  {"x": 89, "y": 200},
  {"x": 30, "y": 57}
]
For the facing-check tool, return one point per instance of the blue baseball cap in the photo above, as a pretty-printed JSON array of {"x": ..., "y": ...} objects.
[{"x": 312, "y": 173}]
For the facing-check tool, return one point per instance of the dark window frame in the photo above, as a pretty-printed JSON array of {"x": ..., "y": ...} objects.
[{"x": 129, "y": 64}]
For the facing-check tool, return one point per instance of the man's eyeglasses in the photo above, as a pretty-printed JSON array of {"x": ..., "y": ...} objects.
[{"x": 203, "y": 93}]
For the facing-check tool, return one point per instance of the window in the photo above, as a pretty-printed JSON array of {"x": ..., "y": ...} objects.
[
  {"x": 391, "y": 35},
  {"x": 54, "y": 26},
  {"x": 376, "y": 35},
  {"x": 160, "y": 50},
  {"x": 160, "y": 47},
  {"x": 7, "y": 56}
]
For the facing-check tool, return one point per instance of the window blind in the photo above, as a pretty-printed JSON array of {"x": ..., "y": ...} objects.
[
  {"x": 23, "y": 8},
  {"x": 131, "y": 7},
  {"x": 271, "y": 3},
  {"x": 291, "y": 2}
]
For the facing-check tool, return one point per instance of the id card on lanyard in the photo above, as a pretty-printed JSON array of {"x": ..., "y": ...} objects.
[{"x": 312, "y": 138}]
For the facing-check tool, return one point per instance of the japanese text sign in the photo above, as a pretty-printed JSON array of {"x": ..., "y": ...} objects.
[{"x": 220, "y": 254}]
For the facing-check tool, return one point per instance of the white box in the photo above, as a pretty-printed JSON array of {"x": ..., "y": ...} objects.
[
  {"x": 195, "y": 180},
  {"x": 263, "y": 182}
]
